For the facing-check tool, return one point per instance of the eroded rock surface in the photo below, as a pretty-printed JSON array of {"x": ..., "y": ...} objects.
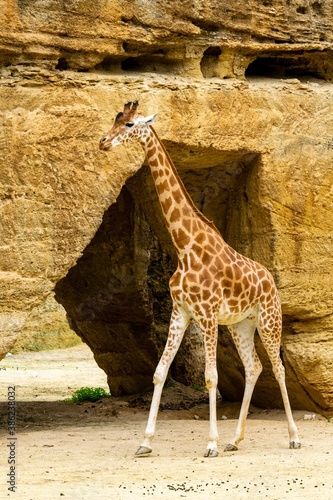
[{"x": 244, "y": 105}]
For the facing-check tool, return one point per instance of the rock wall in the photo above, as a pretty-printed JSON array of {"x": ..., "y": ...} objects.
[
  {"x": 244, "y": 105},
  {"x": 46, "y": 328}
]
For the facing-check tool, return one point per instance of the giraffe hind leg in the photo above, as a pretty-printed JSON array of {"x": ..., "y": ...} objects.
[
  {"x": 243, "y": 336},
  {"x": 271, "y": 343}
]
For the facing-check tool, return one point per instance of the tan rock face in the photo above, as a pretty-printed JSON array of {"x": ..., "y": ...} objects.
[
  {"x": 244, "y": 105},
  {"x": 46, "y": 328}
]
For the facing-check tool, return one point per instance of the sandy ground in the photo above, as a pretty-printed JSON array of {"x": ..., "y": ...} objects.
[{"x": 86, "y": 451}]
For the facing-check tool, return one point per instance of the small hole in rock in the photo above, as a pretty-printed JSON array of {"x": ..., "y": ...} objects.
[{"x": 62, "y": 64}]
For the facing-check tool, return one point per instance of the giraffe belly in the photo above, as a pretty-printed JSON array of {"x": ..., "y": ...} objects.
[{"x": 227, "y": 317}]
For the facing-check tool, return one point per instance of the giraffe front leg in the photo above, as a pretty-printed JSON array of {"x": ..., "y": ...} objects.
[
  {"x": 146, "y": 446},
  {"x": 210, "y": 338},
  {"x": 211, "y": 450},
  {"x": 178, "y": 323}
]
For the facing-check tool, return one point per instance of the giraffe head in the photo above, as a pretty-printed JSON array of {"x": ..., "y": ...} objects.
[{"x": 128, "y": 126}]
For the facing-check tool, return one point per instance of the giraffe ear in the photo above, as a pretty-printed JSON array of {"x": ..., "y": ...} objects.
[{"x": 149, "y": 120}]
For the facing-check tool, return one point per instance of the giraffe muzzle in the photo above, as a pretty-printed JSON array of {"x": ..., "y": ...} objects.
[{"x": 104, "y": 144}]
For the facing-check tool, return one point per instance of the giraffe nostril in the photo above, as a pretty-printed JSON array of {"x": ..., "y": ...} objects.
[{"x": 104, "y": 143}]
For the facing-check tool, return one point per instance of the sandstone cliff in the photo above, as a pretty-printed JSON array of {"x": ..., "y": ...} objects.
[{"x": 244, "y": 100}]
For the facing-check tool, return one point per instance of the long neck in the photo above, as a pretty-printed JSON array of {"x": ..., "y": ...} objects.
[{"x": 183, "y": 219}]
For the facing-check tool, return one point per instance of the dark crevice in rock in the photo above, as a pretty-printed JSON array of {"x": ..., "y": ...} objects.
[
  {"x": 206, "y": 25},
  {"x": 107, "y": 299},
  {"x": 209, "y": 61},
  {"x": 309, "y": 64},
  {"x": 62, "y": 64},
  {"x": 302, "y": 10},
  {"x": 156, "y": 62},
  {"x": 110, "y": 64}
]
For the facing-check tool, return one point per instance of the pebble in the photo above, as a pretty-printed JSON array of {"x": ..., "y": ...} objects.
[{"x": 309, "y": 416}]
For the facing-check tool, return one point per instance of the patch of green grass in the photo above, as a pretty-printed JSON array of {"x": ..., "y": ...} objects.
[
  {"x": 88, "y": 394},
  {"x": 197, "y": 387}
]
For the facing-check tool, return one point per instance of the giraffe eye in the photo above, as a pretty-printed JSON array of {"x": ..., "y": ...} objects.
[{"x": 129, "y": 124}]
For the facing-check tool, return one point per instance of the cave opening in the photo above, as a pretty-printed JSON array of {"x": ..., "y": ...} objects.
[
  {"x": 140, "y": 58},
  {"x": 209, "y": 62},
  {"x": 155, "y": 62},
  {"x": 117, "y": 296},
  {"x": 62, "y": 64},
  {"x": 110, "y": 64},
  {"x": 132, "y": 64},
  {"x": 302, "y": 66}
]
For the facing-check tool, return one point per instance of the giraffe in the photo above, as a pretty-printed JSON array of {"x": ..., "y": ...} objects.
[{"x": 213, "y": 285}]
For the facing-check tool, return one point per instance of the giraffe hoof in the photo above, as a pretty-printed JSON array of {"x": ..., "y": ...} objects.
[
  {"x": 143, "y": 451},
  {"x": 211, "y": 453},
  {"x": 294, "y": 445},
  {"x": 230, "y": 447}
]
